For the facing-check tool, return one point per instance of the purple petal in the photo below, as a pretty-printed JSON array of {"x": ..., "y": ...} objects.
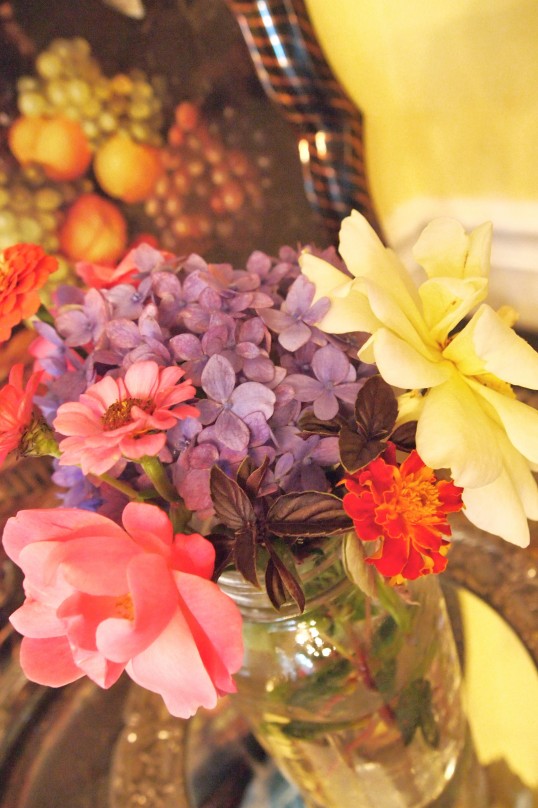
[
  {"x": 330, "y": 365},
  {"x": 186, "y": 346},
  {"x": 259, "y": 429},
  {"x": 318, "y": 311},
  {"x": 276, "y": 320},
  {"x": 348, "y": 392},
  {"x": 295, "y": 336},
  {"x": 260, "y": 369},
  {"x": 326, "y": 453},
  {"x": 326, "y": 406},
  {"x": 300, "y": 296},
  {"x": 123, "y": 334},
  {"x": 231, "y": 431},
  {"x": 218, "y": 379},
  {"x": 305, "y": 387},
  {"x": 209, "y": 410},
  {"x": 253, "y": 397},
  {"x": 252, "y": 330}
]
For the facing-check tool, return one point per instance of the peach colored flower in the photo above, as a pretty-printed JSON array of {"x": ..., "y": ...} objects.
[
  {"x": 24, "y": 269},
  {"x": 16, "y": 408},
  {"x": 126, "y": 417},
  {"x": 101, "y": 599},
  {"x": 404, "y": 508}
]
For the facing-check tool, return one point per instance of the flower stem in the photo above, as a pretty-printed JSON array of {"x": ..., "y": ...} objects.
[
  {"x": 158, "y": 476},
  {"x": 180, "y": 516},
  {"x": 119, "y": 485}
]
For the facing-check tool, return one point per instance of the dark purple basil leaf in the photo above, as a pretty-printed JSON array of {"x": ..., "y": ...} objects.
[
  {"x": 315, "y": 426},
  {"x": 356, "y": 451},
  {"x": 223, "y": 553},
  {"x": 244, "y": 553},
  {"x": 405, "y": 436},
  {"x": 281, "y": 578},
  {"x": 376, "y": 408},
  {"x": 231, "y": 504},
  {"x": 309, "y": 513},
  {"x": 255, "y": 480}
]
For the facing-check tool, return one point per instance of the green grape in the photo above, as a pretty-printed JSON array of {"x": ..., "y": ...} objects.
[
  {"x": 141, "y": 132},
  {"x": 142, "y": 89},
  {"x": 8, "y": 222},
  {"x": 32, "y": 175},
  {"x": 51, "y": 243},
  {"x": 48, "y": 221},
  {"x": 57, "y": 91},
  {"x": 139, "y": 110},
  {"x": 107, "y": 122},
  {"x": 20, "y": 199},
  {"x": 90, "y": 129},
  {"x": 32, "y": 104},
  {"x": 30, "y": 229},
  {"x": 49, "y": 65},
  {"x": 47, "y": 198},
  {"x": 79, "y": 91}
]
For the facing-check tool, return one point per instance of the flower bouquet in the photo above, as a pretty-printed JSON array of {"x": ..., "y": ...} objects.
[{"x": 258, "y": 467}]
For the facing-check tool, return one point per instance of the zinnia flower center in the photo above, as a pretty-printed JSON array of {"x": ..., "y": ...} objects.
[{"x": 119, "y": 413}]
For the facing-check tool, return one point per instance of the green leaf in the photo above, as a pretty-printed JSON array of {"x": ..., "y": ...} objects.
[
  {"x": 376, "y": 409},
  {"x": 414, "y": 709},
  {"x": 231, "y": 503},
  {"x": 309, "y": 513},
  {"x": 394, "y": 604},
  {"x": 356, "y": 450},
  {"x": 357, "y": 570},
  {"x": 385, "y": 676},
  {"x": 407, "y": 710}
]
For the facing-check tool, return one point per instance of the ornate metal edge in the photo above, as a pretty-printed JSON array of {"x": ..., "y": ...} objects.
[
  {"x": 295, "y": 75},
  {"x": 502, "y": 575}
]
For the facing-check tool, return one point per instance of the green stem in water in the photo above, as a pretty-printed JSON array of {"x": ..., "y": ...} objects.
[{"x": 158, "y": 476}]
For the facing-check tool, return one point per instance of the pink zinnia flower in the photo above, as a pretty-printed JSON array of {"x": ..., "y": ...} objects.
[
  {"x": 101, "y": 599},
  {"x": 16, "y": 408},
  {"x": 125, "y": 417}
]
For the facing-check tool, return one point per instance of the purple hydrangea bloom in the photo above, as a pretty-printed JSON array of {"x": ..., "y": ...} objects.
[
  {"x": 248, "y": 340},
  {"x": 293, "y": 321},
  {"x": 334, "y": 380}
]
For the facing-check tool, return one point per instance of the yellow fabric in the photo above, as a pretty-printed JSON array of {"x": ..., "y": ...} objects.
[
  {"x": 449, "y": 92},
  {"x": 502, "y": 691},
  {"x": 449, "y": 89}
]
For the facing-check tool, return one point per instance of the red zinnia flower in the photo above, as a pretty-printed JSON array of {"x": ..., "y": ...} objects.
[
  {"x": 24, "y": 268},
  {"x": 16, "y": 409},
  {"x": 405, "y": 508}
]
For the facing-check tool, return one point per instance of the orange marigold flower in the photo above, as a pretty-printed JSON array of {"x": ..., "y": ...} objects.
[
  {"x": 16, "y": 409},
  {"x": 24, "y": 269},
  {"x": 404, "y": 508}
]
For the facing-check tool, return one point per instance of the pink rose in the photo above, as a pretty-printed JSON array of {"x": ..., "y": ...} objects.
[{"x": 101, "y": 599}]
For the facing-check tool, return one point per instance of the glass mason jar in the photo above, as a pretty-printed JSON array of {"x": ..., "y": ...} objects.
[{"x": 357, "y": 700}]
